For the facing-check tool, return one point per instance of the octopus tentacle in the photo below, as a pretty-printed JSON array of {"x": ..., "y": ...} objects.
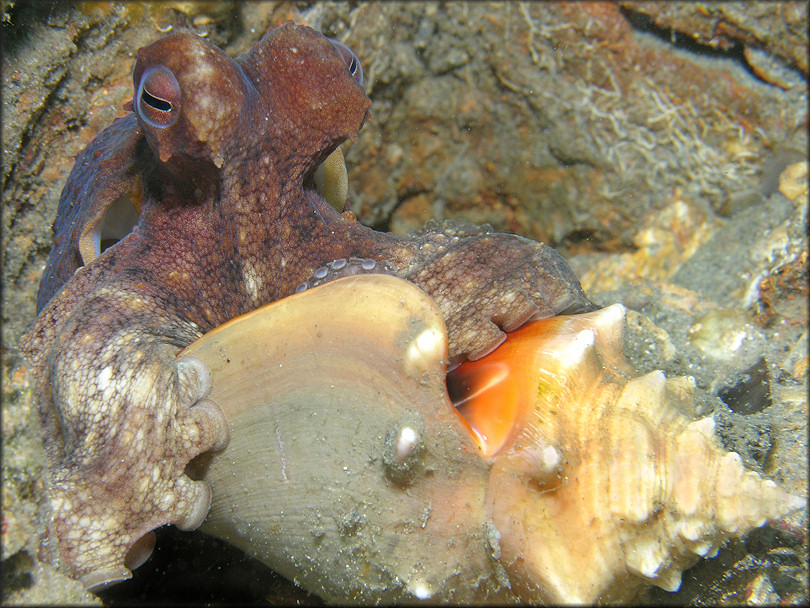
[
  {"x": 343, "y": 267},
  {"x": 194, "y": 498},
  {"x": 118, "y": 479},
  {"x": 488, "y": 283},
  {"x": 104, "y": 175}
]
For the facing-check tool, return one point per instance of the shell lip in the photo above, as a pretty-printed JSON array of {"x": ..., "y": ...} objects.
[{"x": 496, "y": 395}]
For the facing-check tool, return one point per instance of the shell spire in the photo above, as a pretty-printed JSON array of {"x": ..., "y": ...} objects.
[
  {"x": 639, "y": 493},
  {"x": 706, "y": 497}
]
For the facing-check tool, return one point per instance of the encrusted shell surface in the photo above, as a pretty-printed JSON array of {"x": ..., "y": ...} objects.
[
  {"x": 350, "y": 471},
  {"x": 608, "y": 485}
]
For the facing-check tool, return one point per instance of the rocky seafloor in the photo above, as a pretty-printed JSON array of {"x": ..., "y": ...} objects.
[{"x": 661, "y": 147}]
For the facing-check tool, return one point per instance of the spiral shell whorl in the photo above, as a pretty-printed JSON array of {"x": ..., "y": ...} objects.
[{"x": 642, "y": 492}]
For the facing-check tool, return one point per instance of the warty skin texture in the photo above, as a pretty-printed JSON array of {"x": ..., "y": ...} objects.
[{"x": 228, "y": 220}]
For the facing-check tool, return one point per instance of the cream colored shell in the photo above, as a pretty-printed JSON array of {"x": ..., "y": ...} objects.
[
  {"x": 350, "y": 472},
  {"x": 640, "y": 492},
  {"x": 345, "y": 451}
]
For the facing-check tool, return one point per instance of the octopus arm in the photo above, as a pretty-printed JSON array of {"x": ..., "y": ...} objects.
[
  {"x": 487, "y": 284},
  {"x": 102, "y": 193},
  {"x": 125, "y": 418},
  {"x": 484, "y": 283}
]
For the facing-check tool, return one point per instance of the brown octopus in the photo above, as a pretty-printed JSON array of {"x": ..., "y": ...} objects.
[{"x": 214, "y": 167}]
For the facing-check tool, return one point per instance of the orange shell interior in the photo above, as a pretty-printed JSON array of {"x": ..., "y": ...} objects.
[{"x": 495, "y": 395}]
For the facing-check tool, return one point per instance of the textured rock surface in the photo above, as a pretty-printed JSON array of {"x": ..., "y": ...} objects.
[
  {"x": 777, "y": 28},
  {"x": 669, "y": 173}
]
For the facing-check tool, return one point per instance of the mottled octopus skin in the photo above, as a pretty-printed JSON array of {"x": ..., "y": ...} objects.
[{"x": 229, "y": 221}]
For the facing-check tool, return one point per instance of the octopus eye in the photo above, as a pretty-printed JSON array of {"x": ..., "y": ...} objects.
[
  {"x": 158, "y": 99},
  {"x": 350, "y": 59}
]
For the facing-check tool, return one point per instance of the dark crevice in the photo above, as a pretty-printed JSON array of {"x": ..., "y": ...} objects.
[
  {"x": 50, "y": 97},
  {"x": 681, "y": 40},
  {"x": 584, "y": 240},
  {"x": 196, "y": 569},
  {"x": 645, "y": 23},
  {"x": 16, "y": 574},
  {"x": 750, "y": 392},
  {"x": 18, "y": 19},
  {"x": 384, "y": 225}
]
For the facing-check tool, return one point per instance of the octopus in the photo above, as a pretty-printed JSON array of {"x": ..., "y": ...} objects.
[{"x": 197, "y": 206}]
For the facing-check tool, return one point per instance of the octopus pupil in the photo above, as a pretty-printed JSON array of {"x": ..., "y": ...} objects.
[
  {"x": 155, "y": 102},
  {"x": 353, "y": 67}
]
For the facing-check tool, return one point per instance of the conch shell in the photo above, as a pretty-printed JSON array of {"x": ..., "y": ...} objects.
[{"x": 558, "y": 478}]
